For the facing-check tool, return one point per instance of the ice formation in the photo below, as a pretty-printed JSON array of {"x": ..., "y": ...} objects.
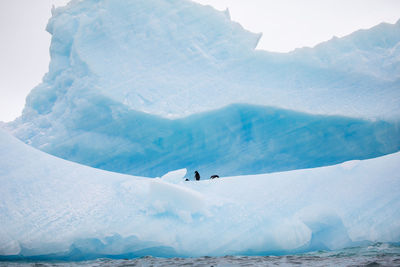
[{"x": 55, "y": 209}]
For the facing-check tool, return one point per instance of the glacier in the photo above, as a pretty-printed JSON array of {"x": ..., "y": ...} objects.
[
  {"x": 145, "y": 87},
  {"x": 55, "y": 209}
]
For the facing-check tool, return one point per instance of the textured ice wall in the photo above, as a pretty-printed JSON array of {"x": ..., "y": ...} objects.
[{"x": 63, "y": 210}]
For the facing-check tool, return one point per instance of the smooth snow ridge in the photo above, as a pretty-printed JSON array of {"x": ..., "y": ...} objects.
[{"x": 62, "y": 210}]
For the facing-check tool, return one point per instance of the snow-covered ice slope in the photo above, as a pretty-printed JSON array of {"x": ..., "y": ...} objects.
[{"x": 63, "y": 210}]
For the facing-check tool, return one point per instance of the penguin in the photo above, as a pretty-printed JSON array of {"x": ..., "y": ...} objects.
[{"x": 197, "y": 176}]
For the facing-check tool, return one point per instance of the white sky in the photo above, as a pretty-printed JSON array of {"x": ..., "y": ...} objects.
[{"x": 285, "y": 24}]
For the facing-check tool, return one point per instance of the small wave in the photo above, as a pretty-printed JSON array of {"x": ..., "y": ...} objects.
[{"x": 379, "y": 254}]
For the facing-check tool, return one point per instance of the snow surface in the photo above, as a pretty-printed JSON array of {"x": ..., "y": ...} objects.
[{"x": 63, "y": 210}]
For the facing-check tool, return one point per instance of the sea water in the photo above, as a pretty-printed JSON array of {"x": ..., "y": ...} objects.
[{"x": 379, "y": 254}]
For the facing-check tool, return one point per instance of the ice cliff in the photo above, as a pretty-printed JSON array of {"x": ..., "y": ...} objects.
[
  {"x": 120, "y": 70},
  {"x": 55, "y": 209}
]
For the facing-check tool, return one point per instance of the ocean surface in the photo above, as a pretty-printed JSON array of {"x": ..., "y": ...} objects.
[{"x": 380, "y": 254}]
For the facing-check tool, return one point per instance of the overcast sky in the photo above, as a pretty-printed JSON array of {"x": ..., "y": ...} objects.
[{"x": 285, "y": 24}]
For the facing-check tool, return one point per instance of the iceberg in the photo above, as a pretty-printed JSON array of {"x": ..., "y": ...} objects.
[
  {"x": 55, "y": 209},
  {"x": 159, "y": 89}
]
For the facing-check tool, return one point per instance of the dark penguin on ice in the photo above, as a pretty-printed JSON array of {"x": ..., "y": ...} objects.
[{"x": 197, "y": 176}]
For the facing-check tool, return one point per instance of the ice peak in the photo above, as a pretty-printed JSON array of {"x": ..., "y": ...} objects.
[{"x": 227, "y": 13}]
